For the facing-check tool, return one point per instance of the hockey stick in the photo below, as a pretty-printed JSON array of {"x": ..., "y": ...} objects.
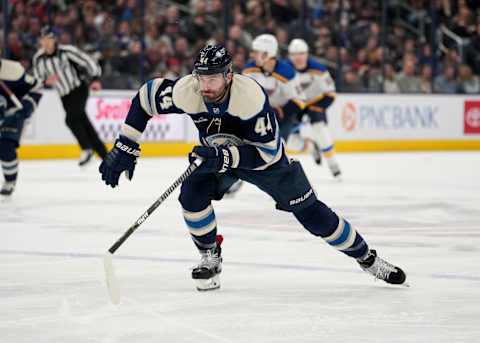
[
  {"x": 112, "y": 284},
  {"x": 10, "y": 94}
]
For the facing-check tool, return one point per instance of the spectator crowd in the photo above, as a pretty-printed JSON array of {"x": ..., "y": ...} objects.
[{"x": 161, "y": 37}]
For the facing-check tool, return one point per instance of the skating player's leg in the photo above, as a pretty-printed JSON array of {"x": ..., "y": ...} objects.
[
  {"x": 322, "y": 137},
  {"x": 8, "y": 157},
  {"x": 97, "y": 145},
  {"x": 292, "y": 191},
  {"x": 75, "y": 123},
  {"x": 196, "y": 195},
  {"x": 10, "y": 132},
  {"x": 80, "y": 126},
  {"x": 321, "y": 221},
  {"x": 298, "y": 142}
]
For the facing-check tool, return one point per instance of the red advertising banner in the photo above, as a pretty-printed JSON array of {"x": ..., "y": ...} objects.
[{"x": 471, "y": 117}]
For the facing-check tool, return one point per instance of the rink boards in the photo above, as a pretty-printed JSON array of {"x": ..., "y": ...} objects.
[{"x": 358, "y": 123}]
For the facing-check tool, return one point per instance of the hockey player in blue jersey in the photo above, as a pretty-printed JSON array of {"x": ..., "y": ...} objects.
[
  {"x": 318, "y": 89},
  {"x": 19, "y": 97},
  {"x": 240, "y": 139}
]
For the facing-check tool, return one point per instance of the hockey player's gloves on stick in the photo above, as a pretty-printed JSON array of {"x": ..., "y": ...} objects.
[
  {"x": 215, "y": 159},
  {"x": 122, "y": 158}
]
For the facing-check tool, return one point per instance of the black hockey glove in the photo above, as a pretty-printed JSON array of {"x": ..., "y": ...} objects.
[
  {"x": 215, "y": 159},
  {"x": 122, "y": 158}
]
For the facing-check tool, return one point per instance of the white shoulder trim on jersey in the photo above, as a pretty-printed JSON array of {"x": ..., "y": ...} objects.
[
  {"x": 246, "y": 98},
  {"x": 11, "y": 70},
  {"x": 186, "y": 95}
]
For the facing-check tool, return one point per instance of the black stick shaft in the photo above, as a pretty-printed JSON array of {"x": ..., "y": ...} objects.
[
  {"x": 154, "y": 206},
  {"x": 11, "y": 95}
]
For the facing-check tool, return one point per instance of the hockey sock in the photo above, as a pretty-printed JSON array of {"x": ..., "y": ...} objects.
[
  {"x": 324, "y": 140},
  {"x": 321, "y": 221},
  {"x": 202, "y": 226},
  {"x": 8, "y": 156}
]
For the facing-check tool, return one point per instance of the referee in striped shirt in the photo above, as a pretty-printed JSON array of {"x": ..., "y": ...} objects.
[{"x": 71, "y": 71}]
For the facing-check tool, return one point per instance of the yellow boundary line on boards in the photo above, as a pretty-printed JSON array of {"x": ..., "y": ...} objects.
[{"x": 63, "y": 151}]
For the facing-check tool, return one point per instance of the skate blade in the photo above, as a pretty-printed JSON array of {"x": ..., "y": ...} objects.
[
  {"x": 396, "y": 285},
  {"x": 211, "y": 284}
]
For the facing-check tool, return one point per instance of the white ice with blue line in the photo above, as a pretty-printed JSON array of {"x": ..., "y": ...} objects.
[{"x": 279, "y": 283}]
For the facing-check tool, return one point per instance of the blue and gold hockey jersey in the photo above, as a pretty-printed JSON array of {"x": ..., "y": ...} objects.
[
  {"x": 316, "y": 85},
  {"x": 244, "y": 121},
  {"x": 282, "y": 86}
]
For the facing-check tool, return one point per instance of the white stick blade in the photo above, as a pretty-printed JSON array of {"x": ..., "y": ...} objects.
[{"x": 112, "y": 283}]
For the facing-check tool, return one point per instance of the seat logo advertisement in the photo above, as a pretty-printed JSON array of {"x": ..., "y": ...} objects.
[
  {"x": 108, "y": 113},
  {"x": 472, "y": 117}
]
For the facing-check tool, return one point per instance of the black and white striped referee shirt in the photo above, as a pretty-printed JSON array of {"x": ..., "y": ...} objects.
[{"x": 68, "y": 63}]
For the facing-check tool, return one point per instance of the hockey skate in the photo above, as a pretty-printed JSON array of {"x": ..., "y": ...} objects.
[
  {"x": 207, "y": 273},
  {"x": 316, "y": 153},
  {"x": 383, "y": 270},
  {"x": 335, "y": 169},
  {"x": 85, "y": 158},
  {"x": 8, "y": 188}
]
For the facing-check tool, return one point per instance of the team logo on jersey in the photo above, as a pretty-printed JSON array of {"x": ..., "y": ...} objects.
[
  {"x": 305, "y": 80},
  {"x": 215, "y": 125},
  {"x": 223, "y": 139},
  {"x": 305, "y": 85}
]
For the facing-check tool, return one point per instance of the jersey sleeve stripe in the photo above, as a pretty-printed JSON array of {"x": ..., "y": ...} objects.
[
  {"x": 149, "y": 95},
  {"x": 250, "y": 70},
  {"x": 319, "y": 97},
  {"x": 130, "y": 132},
  {"x": 144, "y": 95},
  {"x": 156, "y": 83},
  {"x": 279, "y": 77},
  {"x": 299, "y": 103},
  {"x": 235, "y": 156}
]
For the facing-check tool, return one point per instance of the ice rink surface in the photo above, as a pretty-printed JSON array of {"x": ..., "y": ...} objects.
[{"x": 279, "y": 284}]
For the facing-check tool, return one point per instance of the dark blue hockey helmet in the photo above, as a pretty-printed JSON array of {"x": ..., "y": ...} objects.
[{"x": 213, "y": 59}]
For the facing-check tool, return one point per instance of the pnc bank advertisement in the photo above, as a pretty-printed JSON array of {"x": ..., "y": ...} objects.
[{"x": 404, "y": 117}]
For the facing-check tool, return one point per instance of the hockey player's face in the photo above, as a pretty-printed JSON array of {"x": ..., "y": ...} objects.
[
  {"x": 213, "y": 86},
  {"x": 260, "y": 57},
  {"x": 299, "y": 60}
]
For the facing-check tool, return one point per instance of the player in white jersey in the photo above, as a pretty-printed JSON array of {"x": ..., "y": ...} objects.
[
  {"x": 319, "y": 90},
  {"x": 279, "y": 80}
]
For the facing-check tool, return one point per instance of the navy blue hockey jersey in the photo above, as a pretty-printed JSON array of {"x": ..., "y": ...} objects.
[
  {"x": 24, "y": 86},
  {"x": 244, "y": 121}
]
